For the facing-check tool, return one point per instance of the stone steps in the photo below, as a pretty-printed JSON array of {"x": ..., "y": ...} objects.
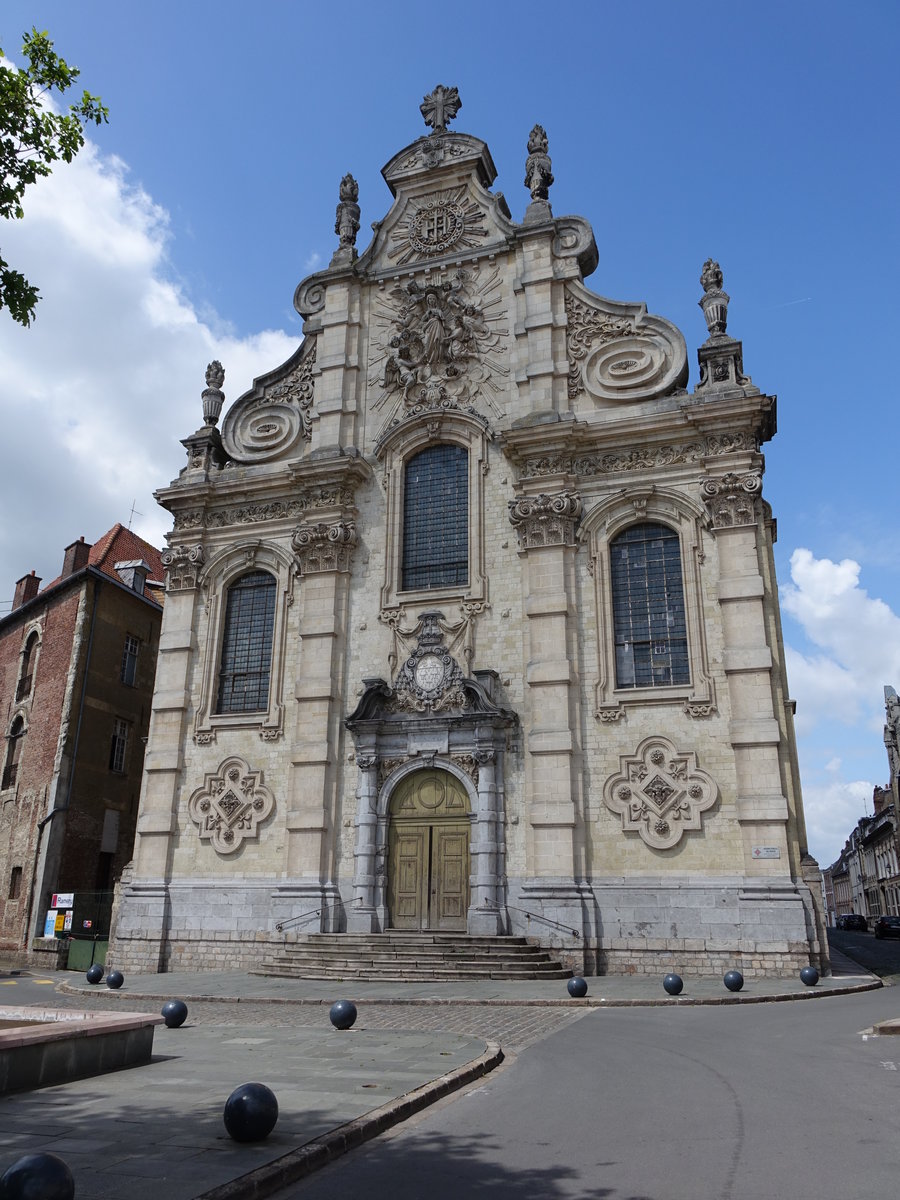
[{"x": 400, "y": 956}]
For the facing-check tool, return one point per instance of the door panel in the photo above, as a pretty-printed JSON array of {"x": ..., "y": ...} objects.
[
  {"x": 450, "y": 876},
  {"x": 409, "y": 875}
]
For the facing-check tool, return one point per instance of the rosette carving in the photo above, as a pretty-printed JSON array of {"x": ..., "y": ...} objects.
[
  {"x": 182, "y": 565},
  {"x": 546, "y": 520},
  {"x": 231, "y": 805},
  {"x": 733, "y": 499},
  {"x": 322, "y": 547},
  {"x": 660, "y": 792}
]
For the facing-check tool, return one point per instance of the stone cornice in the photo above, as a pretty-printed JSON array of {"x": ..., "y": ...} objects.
[{"x": 324, "y": 484}]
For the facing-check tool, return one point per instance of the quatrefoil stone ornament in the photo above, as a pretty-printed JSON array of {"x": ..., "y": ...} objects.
[
  {"x": 660, "y": 792},
  {"x": 231, "y": 805}
]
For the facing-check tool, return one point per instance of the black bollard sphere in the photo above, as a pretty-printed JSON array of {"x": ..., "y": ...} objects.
[
  {"x": 37, "y": 1177},
  {"x": 810, "y": 976},
  {"x": 342, "y": 1014},
  {"x": 577, "y": 987},
  {"x": 94, "y": 973},
  {"x": 115, "y": 979},
  {"x": 250, "y": 1112},
  {"x": 174, "y": 1013},
  {"x": 673, "y": 984},
  {"x": 733, "y": 980}
]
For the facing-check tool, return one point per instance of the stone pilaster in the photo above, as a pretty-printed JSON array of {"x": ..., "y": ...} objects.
[
  {"x": 733, "y": 502},
  {"x": 364, "y": 916},
  {"x": 324, "y": 551},
  {"x": 143, "y": 913},
  {"x": 546, "y": 529}
]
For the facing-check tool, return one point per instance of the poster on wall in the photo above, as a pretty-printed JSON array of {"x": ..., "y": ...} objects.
[{"x": 50, "y": 923}]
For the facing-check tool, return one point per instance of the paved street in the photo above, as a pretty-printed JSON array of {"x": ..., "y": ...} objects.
[
  {"x": 638, "y": 1103},
  {"x": 881, "y": 955},
  {"x": 747, "y": 1103}
]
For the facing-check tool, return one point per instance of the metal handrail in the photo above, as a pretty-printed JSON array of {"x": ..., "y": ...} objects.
[
  {"x": 313, "y": 912},
  {"x": 547, "y": 920}
]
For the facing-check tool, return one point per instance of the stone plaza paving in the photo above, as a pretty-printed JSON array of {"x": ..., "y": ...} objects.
[{"x": 157, "y": 1131}]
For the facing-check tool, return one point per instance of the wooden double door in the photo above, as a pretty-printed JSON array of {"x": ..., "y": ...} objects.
[{"x": 428, "y": 853}]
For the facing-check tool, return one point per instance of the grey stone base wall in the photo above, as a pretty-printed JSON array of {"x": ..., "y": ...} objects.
[
  {"x": 656, "y": 925},
  {"x": 646, "y": 927},
  {"x": 200, "y": 925}
]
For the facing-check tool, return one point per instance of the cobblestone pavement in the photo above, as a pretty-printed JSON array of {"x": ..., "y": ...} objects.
[{"x": 512, "y": 1026}]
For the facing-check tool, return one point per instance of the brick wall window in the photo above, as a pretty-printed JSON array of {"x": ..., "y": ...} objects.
[
  {"x": 129, "y": 660},
  {"x": 15, "y": 883},
  {"x": 13, "y": 752},
  {"x": 648, "y": 607},
  {"x": 436, "y": 519},
  {"x": 118, "y": 746},
  {"x": 246, "y": 659},
  {"x": 26, "y": 673}
]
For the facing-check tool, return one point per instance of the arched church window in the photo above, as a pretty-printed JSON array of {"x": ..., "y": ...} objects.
[
  {"x": 246, "y": 659},
  {"x": 13, "y": 752},
  {"x": 26, "y": 674},
  {"x": 436, "y": 519},
  {"x": 648, "y": 607}
]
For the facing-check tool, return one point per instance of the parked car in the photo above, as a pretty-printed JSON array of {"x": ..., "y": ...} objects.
[
  {"x": 887, "y": 927},
  {"x": 852, "y": 921}
]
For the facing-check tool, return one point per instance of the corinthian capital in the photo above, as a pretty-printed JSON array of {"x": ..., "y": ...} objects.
[
  {"x": 546, "y": 520},
  {"x": 322, "y": 547},
  {"x": 182, "y": 565},
  {"x": 732, "y": 499}
]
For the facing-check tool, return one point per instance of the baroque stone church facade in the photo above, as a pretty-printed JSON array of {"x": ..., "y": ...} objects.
[{"x": 471, "y": 618}]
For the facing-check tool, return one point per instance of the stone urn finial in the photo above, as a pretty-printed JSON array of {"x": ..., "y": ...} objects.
[
  {"x": 213, "y": 397},
  {"x": 346, "y": 220},
  {"x": 714, "y": 301},
  {"x": 538, "y": 176}
]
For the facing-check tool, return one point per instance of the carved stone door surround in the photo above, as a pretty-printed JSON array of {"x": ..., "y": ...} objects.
[{"x": 467, "y": 740}]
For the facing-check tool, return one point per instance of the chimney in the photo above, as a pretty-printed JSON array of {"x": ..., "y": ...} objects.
[
  {"x": 76, "y": 557},
  {"x": 26, "y": 589}
]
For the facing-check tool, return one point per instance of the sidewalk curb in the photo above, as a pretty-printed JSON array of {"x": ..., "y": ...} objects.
[
  {"x": 813, "y": 993},
  {"x": 299, "y": 1163}
]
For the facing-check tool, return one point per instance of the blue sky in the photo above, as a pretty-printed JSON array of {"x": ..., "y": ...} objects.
[{"x": 761, "y": 134}]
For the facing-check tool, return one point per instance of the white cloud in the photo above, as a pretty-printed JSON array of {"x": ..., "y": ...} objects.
[
  {"x": 832, "y": 810},
  {"x": 95, "y": 396},
  {"x": 859, "y": 638}
]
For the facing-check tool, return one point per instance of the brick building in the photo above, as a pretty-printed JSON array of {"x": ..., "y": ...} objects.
[{"x": 77, "y": 662}]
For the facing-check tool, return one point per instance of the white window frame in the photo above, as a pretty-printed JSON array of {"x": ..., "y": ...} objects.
[
  {"x": 402, "y": 443},
  {"x": 602, "y": 524},
  {"x": 217, "y": 576}
]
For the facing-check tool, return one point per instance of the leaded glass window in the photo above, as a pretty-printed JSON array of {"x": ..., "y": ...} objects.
[
  {"x": 436, "y": 519},
  {"x": 246, "y": 659},
  {"x": 648, "y": 607}
]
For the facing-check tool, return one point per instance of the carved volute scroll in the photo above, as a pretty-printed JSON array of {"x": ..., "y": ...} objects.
[
  {"x": 733, "y": 499},
  {"x": 619, "y": 352},
  {"x": 660, "y": 792},
  {"x": 231, "y": 805},
  {"x": 275, "y": 417},
  {"x": 546, "y": 520}
]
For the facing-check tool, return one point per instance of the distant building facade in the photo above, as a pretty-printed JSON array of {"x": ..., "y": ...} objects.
[
  {"x": 77, "y": 662},
  {"x": 471, "y": 619}
]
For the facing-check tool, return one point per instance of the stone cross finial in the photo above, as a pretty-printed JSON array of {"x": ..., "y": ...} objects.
[
  {"x": 346, "y": 217},
  {"x": 439, "y": 107},
  {"x": 538, "y": 176},
  {"x": 213, "y": 397},
  {"x": 714, "y": 301}
]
